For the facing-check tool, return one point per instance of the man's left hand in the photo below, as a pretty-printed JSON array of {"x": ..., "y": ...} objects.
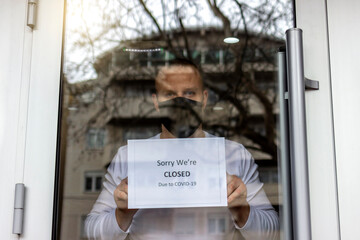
[{"x": 236, "y": 196}]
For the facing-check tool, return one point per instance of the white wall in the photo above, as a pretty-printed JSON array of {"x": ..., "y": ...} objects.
[{"x": 344, "y": 41}]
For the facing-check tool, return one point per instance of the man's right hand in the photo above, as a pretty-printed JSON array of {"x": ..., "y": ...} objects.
[{"x": 123, "y": 215}]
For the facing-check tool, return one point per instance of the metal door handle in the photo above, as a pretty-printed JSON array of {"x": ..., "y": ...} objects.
[{"x": 297, "y": 135}]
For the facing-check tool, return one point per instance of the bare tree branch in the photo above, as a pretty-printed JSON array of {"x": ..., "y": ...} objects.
[{"x": 218, "y": 13}]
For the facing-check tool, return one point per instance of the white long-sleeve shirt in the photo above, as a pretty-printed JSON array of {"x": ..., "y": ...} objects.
[{"x": 186, "y": 223}]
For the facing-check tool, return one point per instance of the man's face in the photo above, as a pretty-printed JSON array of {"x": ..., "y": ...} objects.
[{"x": 179, "y": 81}]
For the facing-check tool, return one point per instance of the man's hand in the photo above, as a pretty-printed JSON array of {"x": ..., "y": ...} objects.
[
  {"x": 123, "y": 215},
  {"x": 236, "y": 196}
]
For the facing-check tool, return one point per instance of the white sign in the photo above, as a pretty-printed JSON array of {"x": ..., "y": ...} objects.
[{"x": 169, "y": 173}]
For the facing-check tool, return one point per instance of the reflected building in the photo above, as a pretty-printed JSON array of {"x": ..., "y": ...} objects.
[{"x": 100, "y": 115}]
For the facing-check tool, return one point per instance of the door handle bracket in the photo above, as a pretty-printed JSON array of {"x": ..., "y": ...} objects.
[{"x": 311, "y": 84}]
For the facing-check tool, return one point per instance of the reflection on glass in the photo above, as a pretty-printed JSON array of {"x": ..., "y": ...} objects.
[
  {"x": 185, "y": 224},
  {"x": 93, "y": 181},
  {"x": 212, "y": 225},
  {"x": 95, "y": 138},
  {"x": 217, "y": 223},
  {"x": 221, "y": 225},
  {"x": 115, "y": 53}
]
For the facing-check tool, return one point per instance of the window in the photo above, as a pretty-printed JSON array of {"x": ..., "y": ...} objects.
[
  {"x": 115, "y": 105},
  {"x": 268, "y": 175},
  {"x": 212, "y": 57},
  {"x": 184, "y": 223},
  {"x": 137, "y": 91},
  {"x": 95, "y": 138},
  {"x": 169, "y": 56},
  {"x": 228, "y": 57},
  {"x": 158, "y": 58},
  {"x": 216, "y": 223},
  {"x": 93, "y": 181},
  {"x": 196, "y": 56}
]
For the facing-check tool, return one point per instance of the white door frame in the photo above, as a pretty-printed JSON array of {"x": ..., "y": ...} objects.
[
  {"x": 30, "y": 75},
  {"x": 312, "y": 19}
]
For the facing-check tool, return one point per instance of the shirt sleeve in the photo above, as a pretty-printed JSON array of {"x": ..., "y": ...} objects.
[
  {"x": 101, "y": 221},
  {"x": 263, "y": 221}
]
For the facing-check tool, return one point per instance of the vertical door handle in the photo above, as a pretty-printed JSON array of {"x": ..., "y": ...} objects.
[{"x": 297, "y": 135}]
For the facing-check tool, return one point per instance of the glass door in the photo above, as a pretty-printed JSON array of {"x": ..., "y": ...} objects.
[{"x": 171, "y": 72}]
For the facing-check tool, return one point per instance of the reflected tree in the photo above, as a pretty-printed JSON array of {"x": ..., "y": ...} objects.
[{"x": 244, "y": 72}]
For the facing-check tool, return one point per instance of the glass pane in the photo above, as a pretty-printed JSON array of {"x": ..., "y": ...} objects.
[
  {"x": 88, "y": 184},
  {"x": 221, "y": 225},
  {"x": 202, "y": 107},
  {"x": 98, "y": 183},
  {"x": 211, "y": 225},
  {"x": 185, "y": 224},
  {"x": 212, "y": 57}
]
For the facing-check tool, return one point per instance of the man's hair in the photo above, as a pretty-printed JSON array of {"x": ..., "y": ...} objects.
[{"x": 175, "y": 66}]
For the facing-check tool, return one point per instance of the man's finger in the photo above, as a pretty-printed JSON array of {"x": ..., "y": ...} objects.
[
  {"x": 238, "y": 197},
  {"x": 231, "y": 187},
  {"x": 123, "y": 196},
  {"x": 123, "y": 185},
  {"x": 120, "y": 195}
]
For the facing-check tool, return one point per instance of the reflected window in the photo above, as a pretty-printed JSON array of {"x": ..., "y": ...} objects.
[
  {"x": 169, "y": 56},
  {"x": 212, "y": 56},
  {"x": 95, "y": 138},
  {"x": 197, "y": 56},
  {"x": 184, "y": 223},
  {"x": 228, "y": 57},
  {"x": 216, "y": 223},
  {"x": 158, "y": 58},
  {"x": 268, "y": 175},
  {"x": 143, "y": 58},
  {"x": 93, "y": 181},
  {"x": 137, "y": 91}
]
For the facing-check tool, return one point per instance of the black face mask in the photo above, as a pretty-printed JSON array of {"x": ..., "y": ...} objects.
[{"x": 181, "y": 116}]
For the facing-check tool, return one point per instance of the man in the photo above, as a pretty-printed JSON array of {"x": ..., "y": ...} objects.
[{"x": 252, "y": 215}]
